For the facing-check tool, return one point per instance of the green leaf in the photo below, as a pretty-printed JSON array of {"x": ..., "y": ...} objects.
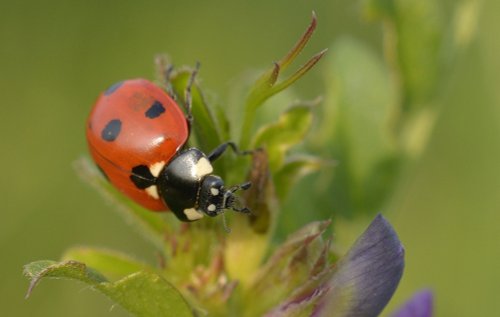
[
  {"x": 294, "y": 169},
  {"x": 414, "y": 42},
  {"x": 142, "y": 293},
  {"x": 420, "y": 48},
  {"x": 301, "y": 43},
  {"x": 294, "y": 77},
  {"x": 151, "y": 225},
  {"x": 267, "y": 86},
  {"x": 361, "y": 102},
  {"x": 112, "y": 264},
  {"x": 269, "y": 78},
  {"x": 204, "y": 127},
  {"x": 147, "y": 294},
  {"x": 68, "y": 270},
  {"x": 277, "y": 138},
  {"x": 419, "y": 29}
]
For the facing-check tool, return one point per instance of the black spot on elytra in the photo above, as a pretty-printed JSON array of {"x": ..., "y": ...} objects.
[
  {"x": 111, "y": 130},
  {"x": 113, "y": 88},
  {"x": 103, "y": 173},
  {"x": 141, "y": 177},
  {"x": 155, "y": 110}
]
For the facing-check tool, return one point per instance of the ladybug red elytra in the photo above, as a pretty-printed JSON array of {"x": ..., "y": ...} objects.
[{"x": 137, "y": 133}]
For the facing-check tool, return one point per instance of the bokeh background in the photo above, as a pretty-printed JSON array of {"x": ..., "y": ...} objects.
[{"x": 56, "y": 56}]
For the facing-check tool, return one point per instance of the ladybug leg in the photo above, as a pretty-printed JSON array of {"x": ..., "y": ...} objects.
[
  {"x": 165, "y": 69},
  {"x": 188, "y": 97},
  {"x": 218, "y": 151},
  {"x": 234, "y": 202},
  {"x": 168, "y": 84}
]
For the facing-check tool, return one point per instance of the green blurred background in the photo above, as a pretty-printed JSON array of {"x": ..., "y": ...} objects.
[{"x": 56, "y": 56}]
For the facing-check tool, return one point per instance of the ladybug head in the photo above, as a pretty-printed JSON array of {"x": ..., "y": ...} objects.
[{"x": 215, "y": 198}]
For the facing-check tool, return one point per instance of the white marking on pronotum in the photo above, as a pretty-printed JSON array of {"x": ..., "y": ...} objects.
[
  {"x": 156, "y": 168},
  {"x": 153, "y": 191},
  {"x": 214, "y": 191},
  {"x": 211, "y": 207},
  {"x": 203, "y": 167},
  {"x": 193, "y": 214}
]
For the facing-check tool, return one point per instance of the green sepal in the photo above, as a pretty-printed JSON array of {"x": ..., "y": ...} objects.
[{"x": 295, "y": 261}]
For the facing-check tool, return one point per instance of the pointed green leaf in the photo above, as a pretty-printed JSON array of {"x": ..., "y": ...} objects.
[
  {"x": 268, "y": 79},
  {"x": 112, "y": 264},
  {"x": 277, "y": 138},
  {"x": 151, "y": 225},
  {"x": 295, "y": 76},
  {"x": 301, "y": 43},
  {"x": 142, "y": 293},
  {"x": 35, "y": 271},
  {"x": 266, "y": 85}
]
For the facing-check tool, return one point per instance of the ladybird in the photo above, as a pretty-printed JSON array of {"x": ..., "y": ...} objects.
[{"x": 137, "y": 136}]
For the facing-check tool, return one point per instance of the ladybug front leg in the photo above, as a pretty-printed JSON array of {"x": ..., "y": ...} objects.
[
  {"x": 188, "y": 99},
  {"x": 165, "y": 69},
  {"x": 231, "y": 191},
  {"x": 218, "y": 151}
]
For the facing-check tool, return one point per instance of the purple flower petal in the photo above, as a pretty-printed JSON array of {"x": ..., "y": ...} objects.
[
  {"x": 420, "y": 305},
  {"x": 367, "y": 275}
]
